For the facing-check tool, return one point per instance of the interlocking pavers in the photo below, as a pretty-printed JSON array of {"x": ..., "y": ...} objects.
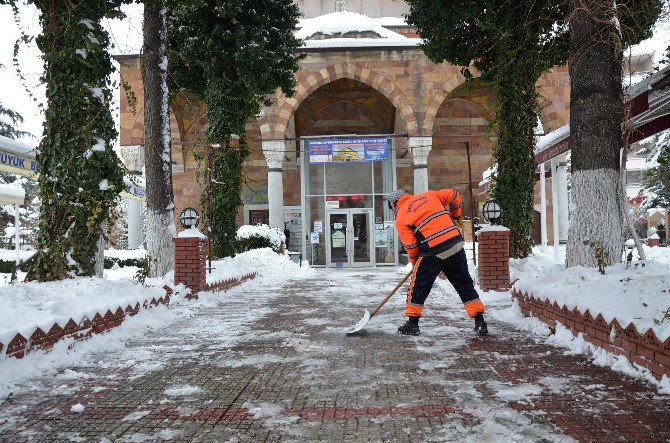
[{"x": 292, "y": 375}]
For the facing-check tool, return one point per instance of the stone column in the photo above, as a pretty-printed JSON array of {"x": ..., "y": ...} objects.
[
  {"x": 420, "y": 147},
  {"x": 133, "y": 157},
  {"x": 274, "y": 151},
  {"x": 562, "y": 193}
]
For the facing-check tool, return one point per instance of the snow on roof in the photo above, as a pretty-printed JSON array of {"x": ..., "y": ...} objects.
[
  {"x": 549, "y": 139},
  {"x": 637, "y": 164},
  {"x": 391, "y": 21},
  {"x": 341, "y": 23},
  {"x": 17, "y": 147},
  {"x": 11, "y": 194},
  {"x": 656, "y": 44}
]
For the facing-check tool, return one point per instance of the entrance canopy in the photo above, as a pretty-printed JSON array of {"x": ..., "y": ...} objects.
[
  {"x": 20, "y": 158},
  {"x": 649, "y": 102}
]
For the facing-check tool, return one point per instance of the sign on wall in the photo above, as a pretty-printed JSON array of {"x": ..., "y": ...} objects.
[{"x": 348, "y": 150}]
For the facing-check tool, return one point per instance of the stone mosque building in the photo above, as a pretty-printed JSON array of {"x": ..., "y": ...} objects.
[{"x": 370, "y": 114}]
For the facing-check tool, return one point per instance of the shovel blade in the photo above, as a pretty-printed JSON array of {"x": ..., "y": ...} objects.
[{"x": 361, "y": 324}]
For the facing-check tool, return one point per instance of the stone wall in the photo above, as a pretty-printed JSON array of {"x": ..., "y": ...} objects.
[{"x": 426, "y": 98}]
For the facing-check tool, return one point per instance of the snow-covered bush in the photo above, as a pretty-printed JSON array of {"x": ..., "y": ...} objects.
[{"x": 257, "y": 237}]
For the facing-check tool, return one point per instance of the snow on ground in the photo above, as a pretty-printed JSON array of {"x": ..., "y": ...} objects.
[
  {"x": 272, "y": 269},
  {"x": 636, "y": 294},
  {"x": 274, "y": 235},
  {"x": 622, "y": 293},
  {"x": 263, "y": 261},
  {"x": 109, "y": 274},
  {"x": 25, "y": 306}
]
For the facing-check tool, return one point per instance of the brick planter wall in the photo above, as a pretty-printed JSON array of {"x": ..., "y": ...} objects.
[
  {"x": 190, "y": 267},
  {"x": 493, "y": 264},
  {"x": 645, "y": 348},
  {"x": 651, "y": 242}
]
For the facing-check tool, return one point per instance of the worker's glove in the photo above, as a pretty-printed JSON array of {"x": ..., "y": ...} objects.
[{"x": 458, "y": 222}]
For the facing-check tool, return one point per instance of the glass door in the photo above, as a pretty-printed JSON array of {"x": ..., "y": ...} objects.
[
  {"x": 349, "y": 238},
  {"x": 360, "y": 221},
  {"x": 338, "y": 239}
]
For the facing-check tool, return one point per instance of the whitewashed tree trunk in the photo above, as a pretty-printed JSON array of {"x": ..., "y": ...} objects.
[
  {"x": 595, "y": 219},
  {"x": 160, "y": 205},
  {"x": 595, "y": 236}
]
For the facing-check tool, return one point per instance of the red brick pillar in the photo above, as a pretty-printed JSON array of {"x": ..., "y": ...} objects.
[
  {"x": 654, "y": 240},
  {"x": 493, "y": 266},
  {"x": 190, "y": 263}
]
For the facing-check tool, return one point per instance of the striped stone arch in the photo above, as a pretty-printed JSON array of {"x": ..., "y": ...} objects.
[
  {"x": 438, "y": 97},
  {"x": 273, "y": 127},
  {"x": 549, "y": 117}
]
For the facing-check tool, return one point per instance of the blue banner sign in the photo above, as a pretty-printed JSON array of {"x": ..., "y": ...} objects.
[
  {"x": 17, "y": 164},
  {"x": 348, "y": 150}
]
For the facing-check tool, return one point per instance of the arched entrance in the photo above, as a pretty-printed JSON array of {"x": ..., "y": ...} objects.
[
  {"x": 344, "y": 129},
  {"x": 464, "y": 116}
]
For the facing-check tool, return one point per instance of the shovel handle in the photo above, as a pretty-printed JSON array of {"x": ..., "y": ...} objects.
[{"x": 390, "y": 294}]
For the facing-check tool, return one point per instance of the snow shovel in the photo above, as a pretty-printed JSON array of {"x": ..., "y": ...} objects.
[{"x": 367, "y": 316}]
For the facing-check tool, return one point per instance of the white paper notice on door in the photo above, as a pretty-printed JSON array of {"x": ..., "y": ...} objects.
[
  {"x": 338, "y": 239},
  {"x": 337, "y": 225}
]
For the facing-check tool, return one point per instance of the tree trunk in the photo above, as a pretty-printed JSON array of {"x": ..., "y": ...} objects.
[
  {"x": 158, "y": 164},
  {"x": 595, "y": 236}
]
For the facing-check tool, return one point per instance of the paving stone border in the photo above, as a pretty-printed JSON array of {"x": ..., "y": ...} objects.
[
  {"x": 644, "y": 349},
  {"x": 99, "y": 323}
]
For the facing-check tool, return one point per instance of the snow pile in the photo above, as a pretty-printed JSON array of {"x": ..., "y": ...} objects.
[
  {"x": 273, "y": 235},
  {"x": 78, "y": 408},
  {"x": 26, "y": 306},
  {"x": 125, "y": 254},
  {"x": 637, "y": 294},
  {"x": 270, "y": 267},
  {"x": 10, "y": 254}
]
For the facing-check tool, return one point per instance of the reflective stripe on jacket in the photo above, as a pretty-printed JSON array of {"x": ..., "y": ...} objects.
[{"x": 425, "y": 224}]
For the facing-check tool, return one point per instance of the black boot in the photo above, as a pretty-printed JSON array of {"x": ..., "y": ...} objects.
[
  {"x": 480, "y": 325},
  {"x": 411, "y": 327}
]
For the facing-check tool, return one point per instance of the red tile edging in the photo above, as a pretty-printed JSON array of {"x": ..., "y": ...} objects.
[
  {"x": 224, "y": 285},
  {"x": 645, "y": 349}
]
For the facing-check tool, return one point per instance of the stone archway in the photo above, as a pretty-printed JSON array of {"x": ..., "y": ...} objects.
[
  {"x": 458, "y": 120},
  {"x": 274, "y": 122}
]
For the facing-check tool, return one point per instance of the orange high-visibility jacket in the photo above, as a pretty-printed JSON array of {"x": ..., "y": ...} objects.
[{"x": 425, "y": 224}]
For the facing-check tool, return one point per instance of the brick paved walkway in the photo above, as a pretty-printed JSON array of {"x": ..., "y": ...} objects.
[{"x": 290, "y": 374}]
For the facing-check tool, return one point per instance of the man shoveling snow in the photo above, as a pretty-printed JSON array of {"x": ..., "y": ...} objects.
[{"x": 429, "y": 228}]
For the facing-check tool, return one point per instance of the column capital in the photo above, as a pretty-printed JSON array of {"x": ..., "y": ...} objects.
[
  {"x": 133, "y": 158},
  {"x": 420, "y": 148},
  {"x": 274, "y": 151}
]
